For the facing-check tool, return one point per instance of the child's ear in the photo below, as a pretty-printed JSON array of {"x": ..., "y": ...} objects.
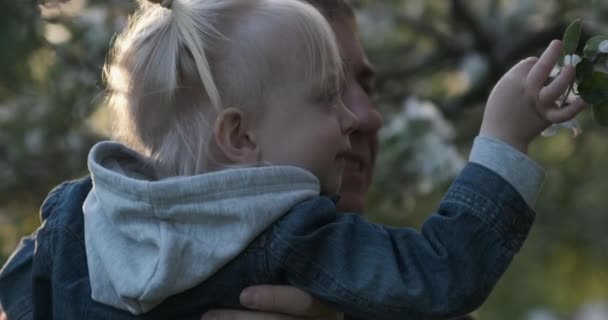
[{"x": 234, "y": 137}]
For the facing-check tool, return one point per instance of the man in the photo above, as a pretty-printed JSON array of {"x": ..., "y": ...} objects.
[{"x": 287, "y": 303}]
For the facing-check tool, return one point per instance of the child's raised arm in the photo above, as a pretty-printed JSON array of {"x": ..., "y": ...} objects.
[{"x": 521, "y": 106}]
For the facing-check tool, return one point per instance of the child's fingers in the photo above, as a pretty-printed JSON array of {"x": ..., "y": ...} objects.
[
  {"x": 542, "y": 69},
  {"x": 558, "y": 86},
  {"x": 520, "y": 70},
  {"x": 557, "y": 115}
]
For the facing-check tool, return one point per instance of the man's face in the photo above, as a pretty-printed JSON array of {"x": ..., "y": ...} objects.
[{"x": 359, "y": 74}]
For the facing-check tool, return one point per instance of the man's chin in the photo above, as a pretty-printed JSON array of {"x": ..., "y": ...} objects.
[
  {"x": 353, "y": 192},
  {"x": 351, "y": 202}
]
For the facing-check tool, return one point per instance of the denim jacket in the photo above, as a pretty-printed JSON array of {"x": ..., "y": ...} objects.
[{"x": 370, "y": 270}]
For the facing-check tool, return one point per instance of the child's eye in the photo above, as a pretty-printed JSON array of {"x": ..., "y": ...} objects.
[{"x": 330, "y": 97}]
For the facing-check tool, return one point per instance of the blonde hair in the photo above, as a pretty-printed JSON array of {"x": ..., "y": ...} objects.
[{"x": 172, "y": 70}]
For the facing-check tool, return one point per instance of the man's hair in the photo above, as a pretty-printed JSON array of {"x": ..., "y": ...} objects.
[{"x": 333, "y": 8}]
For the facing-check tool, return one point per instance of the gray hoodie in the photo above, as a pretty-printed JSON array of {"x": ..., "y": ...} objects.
[{"x": 147, "y": 239}]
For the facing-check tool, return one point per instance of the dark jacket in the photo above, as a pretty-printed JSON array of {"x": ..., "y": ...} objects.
[{"x": 366, "y": 269}]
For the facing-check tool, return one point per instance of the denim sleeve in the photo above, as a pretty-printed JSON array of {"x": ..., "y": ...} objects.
[
  {"x": 518, "y": 169},
  {"x": 16, "y": 281},
  {"x": 16, "y": 276},
  {"x": 378, "y": 272}
]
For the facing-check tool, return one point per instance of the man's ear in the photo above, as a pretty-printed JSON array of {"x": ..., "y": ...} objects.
[{"x": 234, "y": 137}]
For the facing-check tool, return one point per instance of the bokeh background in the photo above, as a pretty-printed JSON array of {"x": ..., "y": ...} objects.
[{"x": 436, "y": 63}]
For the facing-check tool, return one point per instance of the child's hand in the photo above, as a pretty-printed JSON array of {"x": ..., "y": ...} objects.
[{"x": 520, "y": 106}]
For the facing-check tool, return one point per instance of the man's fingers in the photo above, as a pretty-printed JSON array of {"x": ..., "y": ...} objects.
[
  {"x": 284, "y": 299},
  {"x": 542, "y": 69},
  {"x": 557, "y": 87},
  {"x": 245, "y": 315},
  {"x": 276, "y": 303}
]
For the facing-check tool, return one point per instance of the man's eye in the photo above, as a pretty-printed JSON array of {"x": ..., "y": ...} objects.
[{"x": 369, "y": 88}]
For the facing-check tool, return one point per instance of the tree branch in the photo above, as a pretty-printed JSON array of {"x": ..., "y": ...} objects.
[{"x": 461, "y": 13}]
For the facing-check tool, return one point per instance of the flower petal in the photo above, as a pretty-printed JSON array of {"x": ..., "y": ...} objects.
[
  {"x": 570, "y": 124},
  {"x": 550, "y": 132},
  {"x": 603, "y": 47},
  {"x": 572, "y": 59}
]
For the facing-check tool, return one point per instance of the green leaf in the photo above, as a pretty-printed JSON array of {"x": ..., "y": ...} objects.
[
  {"x": 591, "y": 48},
  {"x": 600, "y": 114},
  {"x": 594, "y": 89},
  {"x": 572, "y": 36},
  {"x": 584, "y": 70}
]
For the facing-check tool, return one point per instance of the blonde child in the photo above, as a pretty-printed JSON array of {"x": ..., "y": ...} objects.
[{"x": 233, "y": 142}]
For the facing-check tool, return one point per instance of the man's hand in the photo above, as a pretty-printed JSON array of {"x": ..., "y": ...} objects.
[{"x": 276, "y": 303}]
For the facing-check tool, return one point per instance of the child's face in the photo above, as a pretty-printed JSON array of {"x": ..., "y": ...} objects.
[{"x": 307, "y": 126}]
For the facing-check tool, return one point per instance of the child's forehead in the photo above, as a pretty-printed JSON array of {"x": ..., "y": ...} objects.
[
  {"x": 308, "y": 75},
  {"x": 295, "y": 51},
  {"x": 292, "y": 36},
  {"x": 294, "y": 55}
]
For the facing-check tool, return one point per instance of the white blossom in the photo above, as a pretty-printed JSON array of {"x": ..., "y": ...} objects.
[
  {"x": 34, "y": 141},
  {"x": 56, "y": 33},
  {"x": 8, "y": 112},
  {"x": 435, "y": 160},
  {"x": 603, "y": 47},
  {"x": 571, "y": 124},
  {"x": 592, "y": 311},
  {"x": 432, "y": 156},
  {"x": 572, "y": 59},
  {"x": 540, "y": 314},
  {"x": 73, "y": 142},
  {"x": 417, "y": 110}
]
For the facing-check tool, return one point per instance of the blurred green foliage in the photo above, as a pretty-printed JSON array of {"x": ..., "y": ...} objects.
[{"x": 436, "y": 61}]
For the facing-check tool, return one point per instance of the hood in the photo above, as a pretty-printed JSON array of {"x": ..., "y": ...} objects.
[{"x": 147, "y": 239}]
